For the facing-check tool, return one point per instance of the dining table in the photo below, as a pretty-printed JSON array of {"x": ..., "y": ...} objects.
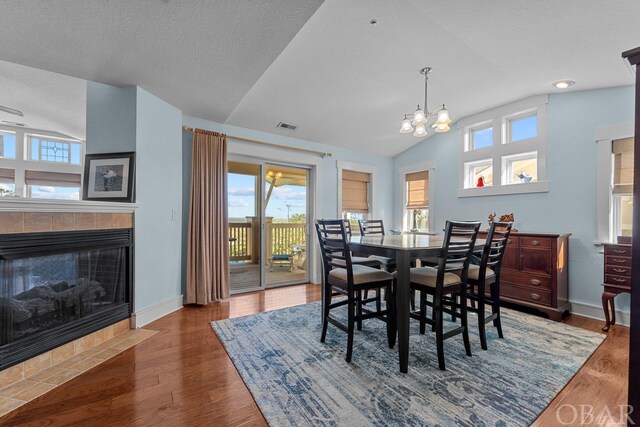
[{"x": 403, "y": 248}]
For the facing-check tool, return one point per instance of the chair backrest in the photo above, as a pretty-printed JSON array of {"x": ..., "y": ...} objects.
[
  {"x": 457, "y": 248},
  {"x": 347, "y": 227},
  {"x": 494, "y": 248},
  {"x": 334, "y": 247},
  {"x": 371, "y": 226}
]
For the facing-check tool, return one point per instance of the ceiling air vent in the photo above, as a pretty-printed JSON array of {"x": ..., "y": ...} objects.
[
  {"x": 286, "y": 126},
  {"x": 14, "y": 123}
]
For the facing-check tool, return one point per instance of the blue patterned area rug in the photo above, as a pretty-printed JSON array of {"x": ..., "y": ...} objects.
[{"x": 297, "y": 381}]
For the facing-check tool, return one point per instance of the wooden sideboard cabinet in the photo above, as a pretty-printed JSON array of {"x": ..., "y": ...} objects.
[
  {"x": 535, "y": 272},
  {"x": 617, "y": 278}
]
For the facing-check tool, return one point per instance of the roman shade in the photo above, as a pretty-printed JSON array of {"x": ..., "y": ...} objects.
[
  {"x": 355, "y": 191},
  {"x": 622, "y": 150},
  {"x": 53, "y": 179},
  {"x": 417, "y": 190},
  {"x": 7, "y": 176}
]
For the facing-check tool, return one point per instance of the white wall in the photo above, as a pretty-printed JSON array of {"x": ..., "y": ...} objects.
[{"x": 569, "y": 206}]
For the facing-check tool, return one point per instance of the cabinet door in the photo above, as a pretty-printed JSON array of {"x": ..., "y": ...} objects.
[
  {"x": 535, "y": 260},
  {"x": 511, "y": 257}
]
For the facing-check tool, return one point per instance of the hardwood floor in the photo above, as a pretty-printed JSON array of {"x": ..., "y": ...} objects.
[{"x": 183, "y": 376}]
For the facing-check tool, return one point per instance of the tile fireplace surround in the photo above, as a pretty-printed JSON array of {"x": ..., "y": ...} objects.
[{"x": 29, "y": 379}]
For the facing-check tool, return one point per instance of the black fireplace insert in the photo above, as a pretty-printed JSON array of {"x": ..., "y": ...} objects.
[{"x": 56, "y": 287}]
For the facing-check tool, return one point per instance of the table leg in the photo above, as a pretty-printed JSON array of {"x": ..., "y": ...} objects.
[
  {"x": 606, "y": 298},
  {"x": 402, "y": 308}
]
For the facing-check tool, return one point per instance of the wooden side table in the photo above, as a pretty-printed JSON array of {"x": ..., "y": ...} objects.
[
  {"x": 617, "y": 279},
  {"x": 609, "y": 305}
]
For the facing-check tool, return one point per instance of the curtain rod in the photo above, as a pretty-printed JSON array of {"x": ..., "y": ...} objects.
[{"x": 270, "y": 144}]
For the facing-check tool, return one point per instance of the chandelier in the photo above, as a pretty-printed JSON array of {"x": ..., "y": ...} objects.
[{"x": 420, "y": 117}]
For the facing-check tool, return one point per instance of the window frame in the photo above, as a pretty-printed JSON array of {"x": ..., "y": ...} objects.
[
  {"x": 363, "y": 168},
  {"x": 404, "y": 213},
  {"x": 507, "y": 166},
  {"x": 21, "y": 163},
  {"x": 500, "y": 119},
  {"x": 604, "y": 137}
]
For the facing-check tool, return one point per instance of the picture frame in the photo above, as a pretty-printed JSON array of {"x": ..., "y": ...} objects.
[{"x": 109, "y": 177}]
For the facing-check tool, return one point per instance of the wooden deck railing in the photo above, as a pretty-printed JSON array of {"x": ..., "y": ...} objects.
[{"x": 280, "y": 237}]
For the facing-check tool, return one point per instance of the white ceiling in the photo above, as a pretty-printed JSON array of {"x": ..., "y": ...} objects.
[
  {"x": 341, "y": 80},
  {"x": 49, "y": 101}
]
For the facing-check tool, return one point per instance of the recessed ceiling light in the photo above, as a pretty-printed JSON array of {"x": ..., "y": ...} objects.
[
  {"x": 373, "y": 22},
  {"x": 563, "y": 84}
]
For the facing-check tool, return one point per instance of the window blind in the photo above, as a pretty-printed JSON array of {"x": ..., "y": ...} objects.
[
  {"x": 622, "y": 150},
  {"x": 417, "y": 190},
  {"x": 53, "y": 179},
  {"x": 355, "y": 191},
  {"x": 7, "y": 176}
]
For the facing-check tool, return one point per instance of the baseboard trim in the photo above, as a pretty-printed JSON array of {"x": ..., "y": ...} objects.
[
  {"x": 596, "y": 312},
  {"x": 149, "y": 314}
]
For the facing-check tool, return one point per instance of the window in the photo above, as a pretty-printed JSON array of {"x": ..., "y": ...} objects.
[
  {"x": 52, "y": 185},
  {"x": 520, "y": 168},
  {"x": 39, "y": 165},
  {"x": 503, "y": 150},
  {"x": 7, "y": 145},
  {"x": 54, "y": 150},
  {"x": 417, "y": 196},
  {"x": 622, "y": 189},
  {"x": 355, "y": 196},
  {"x": 7, "y": 182},
  {"x": 479, "y": 173}
]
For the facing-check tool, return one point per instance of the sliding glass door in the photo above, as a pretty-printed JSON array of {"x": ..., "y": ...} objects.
[{"x": 268, "y": 224}]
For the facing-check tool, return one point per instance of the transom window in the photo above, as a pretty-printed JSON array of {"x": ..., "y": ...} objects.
[
  {"x": 39, "y": 165},
  {"x": 503, "y": 150}
]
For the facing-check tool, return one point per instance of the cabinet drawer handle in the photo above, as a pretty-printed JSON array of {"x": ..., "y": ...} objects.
[
  {"x": 620, "y": 260},
  {"x": 535, "y": 243},
  {"x": 615, "y": 279},
  {"x": 535, "y": 282},
  {"x": 536, "y": 297},
  {"x": 620, "y": 251},
  {"x": 508, "y": 240},
  {"x": 619, "y": 270}
]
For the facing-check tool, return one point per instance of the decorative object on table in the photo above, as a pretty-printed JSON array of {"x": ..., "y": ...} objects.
[
  {"x": 420, "y": 117},
  {"x": 492, "y": 218},
  {"x": 503, "y": 218},
  {"x": 480, "y": 182},
  {"x": 109, "y": 177},
  {"x": 277, "y": 355},
  {"x": 507, "y": 218},
  {"x": 524, "y": 177}
]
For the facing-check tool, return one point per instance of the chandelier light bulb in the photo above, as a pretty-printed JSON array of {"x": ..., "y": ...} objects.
[
  {"x": 420, "y": 132},
  {"x": 419, "y": 117},
  {"x": 443, "y": 117},
  {"x": 442, "y": 128},
  {"x": 406, "y": 126}
]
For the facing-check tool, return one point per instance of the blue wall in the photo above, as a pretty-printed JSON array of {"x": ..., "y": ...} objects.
[
  {"x": 111, "y": 118},
  {"x": 159, "y": 192},
  {"x": 569, "y": 206}
]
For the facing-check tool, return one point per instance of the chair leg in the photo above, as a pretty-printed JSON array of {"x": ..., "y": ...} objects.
[
  {"x": 464, "y": 321},
  {"x": 359, "y": 303},
  {"x": 438, "y": 314},
  {"x": 423, "y": 312},
  {"x": 392, "y": 328},
  {"x": 413, "y": 299},
  {"x": 433, "y": 314},
  {"x": 455, "y": 301},
  {"x": 495, "y": 307},
  {"x": 326, "y": 301},
  {"x": 366, "y": 295},
  {"x": 350, "y": 324},
  {"x": 379, "y": 300},
  {"x": 482, "y": 330}
]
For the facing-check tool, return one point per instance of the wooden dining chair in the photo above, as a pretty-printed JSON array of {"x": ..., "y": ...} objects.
[
  {"x": 375, "y": 227},
  {"x": 487, "y": 273},
  {"x": 341, "y": 276},
  {"x": 443, "y": 283}
]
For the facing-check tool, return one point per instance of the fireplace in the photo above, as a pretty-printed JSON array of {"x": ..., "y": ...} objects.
[{"x": 56, "y": 287}]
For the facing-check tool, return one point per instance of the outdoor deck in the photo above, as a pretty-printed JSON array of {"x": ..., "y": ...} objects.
[{"x": 246, "y": 276}]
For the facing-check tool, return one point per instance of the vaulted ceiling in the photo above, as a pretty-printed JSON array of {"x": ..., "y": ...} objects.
[{"x": 322, "y": 66}]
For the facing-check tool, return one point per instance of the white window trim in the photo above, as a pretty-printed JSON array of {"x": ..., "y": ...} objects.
[
  {"x": 604, "y": 138},
  {"x": 20, "y": 164},
  {"x": 364, "y": 168},
  {"x": 500, "y": 117},
  {"x": 403, "y": 211}
]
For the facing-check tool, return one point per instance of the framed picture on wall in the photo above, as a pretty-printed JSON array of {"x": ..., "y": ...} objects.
[{"x": 109, "y": 177}]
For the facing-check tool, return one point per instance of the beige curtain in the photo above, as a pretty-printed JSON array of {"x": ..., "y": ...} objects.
[{"x": 208, "y": 238}]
